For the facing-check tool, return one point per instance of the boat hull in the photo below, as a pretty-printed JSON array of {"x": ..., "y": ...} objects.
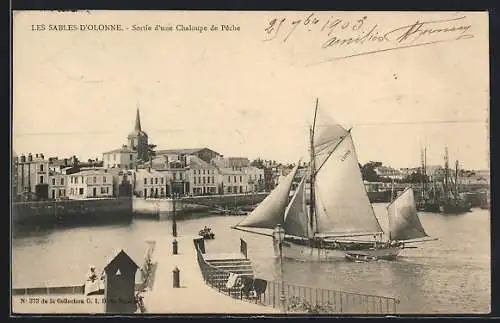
[{"x": 302, "y": 252}]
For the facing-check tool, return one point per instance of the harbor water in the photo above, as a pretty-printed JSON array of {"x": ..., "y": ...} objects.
[{"x": 447, "y": 276}]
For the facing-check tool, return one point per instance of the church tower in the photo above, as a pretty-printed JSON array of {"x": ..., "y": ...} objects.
[{"x": 138, "y": 139}]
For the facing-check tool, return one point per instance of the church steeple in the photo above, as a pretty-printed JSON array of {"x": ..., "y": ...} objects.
[
  {"x": 138, "y": 140},
  {"x": 137, "y": 127}
]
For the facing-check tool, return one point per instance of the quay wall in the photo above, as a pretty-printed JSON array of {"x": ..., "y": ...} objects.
[
  {"x": 92, "y": 211},
  {"x": 164, "y": 206}
]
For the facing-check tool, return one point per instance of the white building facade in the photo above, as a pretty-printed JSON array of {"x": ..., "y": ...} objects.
[{"x": 89, "y": 184}]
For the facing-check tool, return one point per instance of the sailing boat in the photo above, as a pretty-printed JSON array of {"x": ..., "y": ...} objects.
[
  {"x": 322, "y": 226},
  {"x": 428, "y": 201},
  {"x": 452, "y": 203}
]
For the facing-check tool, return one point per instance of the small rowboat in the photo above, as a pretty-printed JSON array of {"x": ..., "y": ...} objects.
[
  {"x": 95, "y": 287},
  {"x": 207, "y": 234},
  {"x": 360, "y": 258}
]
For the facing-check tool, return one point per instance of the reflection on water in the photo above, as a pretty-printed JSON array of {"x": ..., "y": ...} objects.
[{"x": 451, "y": 275}]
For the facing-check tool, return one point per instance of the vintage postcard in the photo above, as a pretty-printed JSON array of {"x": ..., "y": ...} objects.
[{"x": 268, "y": 162}]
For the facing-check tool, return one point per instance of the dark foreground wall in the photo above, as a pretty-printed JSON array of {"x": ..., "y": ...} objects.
[{"x": 89, "y": 211}]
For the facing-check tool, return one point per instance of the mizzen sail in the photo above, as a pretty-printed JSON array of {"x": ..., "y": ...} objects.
[
  {"x": 296, "y": 218},
  {"x": 341, "y": 203},
  {"x": 270, "y": 212},
  {"x": 404, "y": 223}
]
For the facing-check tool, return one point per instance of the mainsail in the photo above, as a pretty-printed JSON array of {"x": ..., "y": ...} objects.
[
  {"x": 404, "y": 223},
  {"x": 270, "y": 212},
  {"x": 296, "y": 218},
  {"x": 327, "y": 135},
  {"x": 341, "y": 203}
]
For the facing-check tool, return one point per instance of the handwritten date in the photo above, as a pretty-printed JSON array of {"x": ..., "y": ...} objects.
[
  {"x": 341, "y": 32},
  {"x": 309, "y": 22}
]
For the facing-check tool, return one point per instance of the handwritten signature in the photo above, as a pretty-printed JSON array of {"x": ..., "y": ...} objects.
[{"x": 343, "y": 32}]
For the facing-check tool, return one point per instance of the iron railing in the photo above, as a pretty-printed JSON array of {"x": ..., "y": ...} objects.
[{"x": 300, "y": 299}]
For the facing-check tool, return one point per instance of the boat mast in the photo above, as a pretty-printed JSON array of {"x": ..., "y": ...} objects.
[
  {"x": 456, "y": 180},
  {"x": 446, "y": 170},
  {"x": 313, "y": 173}
]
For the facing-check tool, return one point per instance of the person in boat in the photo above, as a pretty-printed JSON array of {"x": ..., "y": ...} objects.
[{"x": 92, "y": 274}]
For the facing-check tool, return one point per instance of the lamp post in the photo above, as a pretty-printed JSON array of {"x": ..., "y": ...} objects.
[
  {"x": 174, "y": 222},
  {"x": 279, "y": 236}
]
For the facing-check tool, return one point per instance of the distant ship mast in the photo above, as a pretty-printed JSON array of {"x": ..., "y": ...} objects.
[{"x": 313, "y": 173}]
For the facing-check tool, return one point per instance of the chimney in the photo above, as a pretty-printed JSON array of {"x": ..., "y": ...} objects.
[
  {"x": 41, "y": 156},
  {"x": 30, "y": 157},
  {"x": 36, "y": 155}
]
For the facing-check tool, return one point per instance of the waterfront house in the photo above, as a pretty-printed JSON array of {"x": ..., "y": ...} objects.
[
  {"x": 123, "y": 158},
  {"x": 388, "y": 173},
  {"x": 150, "y": 183},
  {"x": 236, "y": 176},
  {"x": 32, "y": 176},
  {"x": 204, "y": 154},
  {"x": 255, "y": 179},
  {"x": 57, "y": 185},
  {"x": 202, "y": 176},
  {"x": 91, "y": 183}
]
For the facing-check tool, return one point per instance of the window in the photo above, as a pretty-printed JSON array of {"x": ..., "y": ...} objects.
[
  {"x": 130, "y": 166},
  {"x": 95, "y": 179},
  {"x": 194, "y": 182},
  {"x": 175, "y": 176},
  {"x": 241, "y": 179},
  {"x": 151, "y": 180},
  {"x": 161, "y": 179},
  {"x": 131, "y": 158},
  {"x": 60, "y": 193},
  {"x": 80, "y": 190},
  {"x": 162, "y": 191},
  {"x": 53, "y": 181},
  {"x": 41, "y": 167},
  {"x": 203, "y": 179},
  {"x": 229, "y": 179},
  {"x": 156, "y": 180},
  {"x": 41, "y": 179},
  {"x": 103, "y": 190},
  {"x": 62, "y": 181},
  {"x": 241, "y": 189},
  {"x": 72, "y": 191},
  {"x": 235, "y": 179},
  {"x": 104, "y": 179},
  {"x": 203, "y": 172},
  {"x": 180, "y": 176},
  {"x": 229, "y": 189},
  {"x": 145, "y": 181},
  {"x": 63, "y": 192},
  {"x": 213, "y": 180}
]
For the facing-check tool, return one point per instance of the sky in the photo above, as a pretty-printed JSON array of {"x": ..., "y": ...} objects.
[{"x": 76, "y": 92}]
